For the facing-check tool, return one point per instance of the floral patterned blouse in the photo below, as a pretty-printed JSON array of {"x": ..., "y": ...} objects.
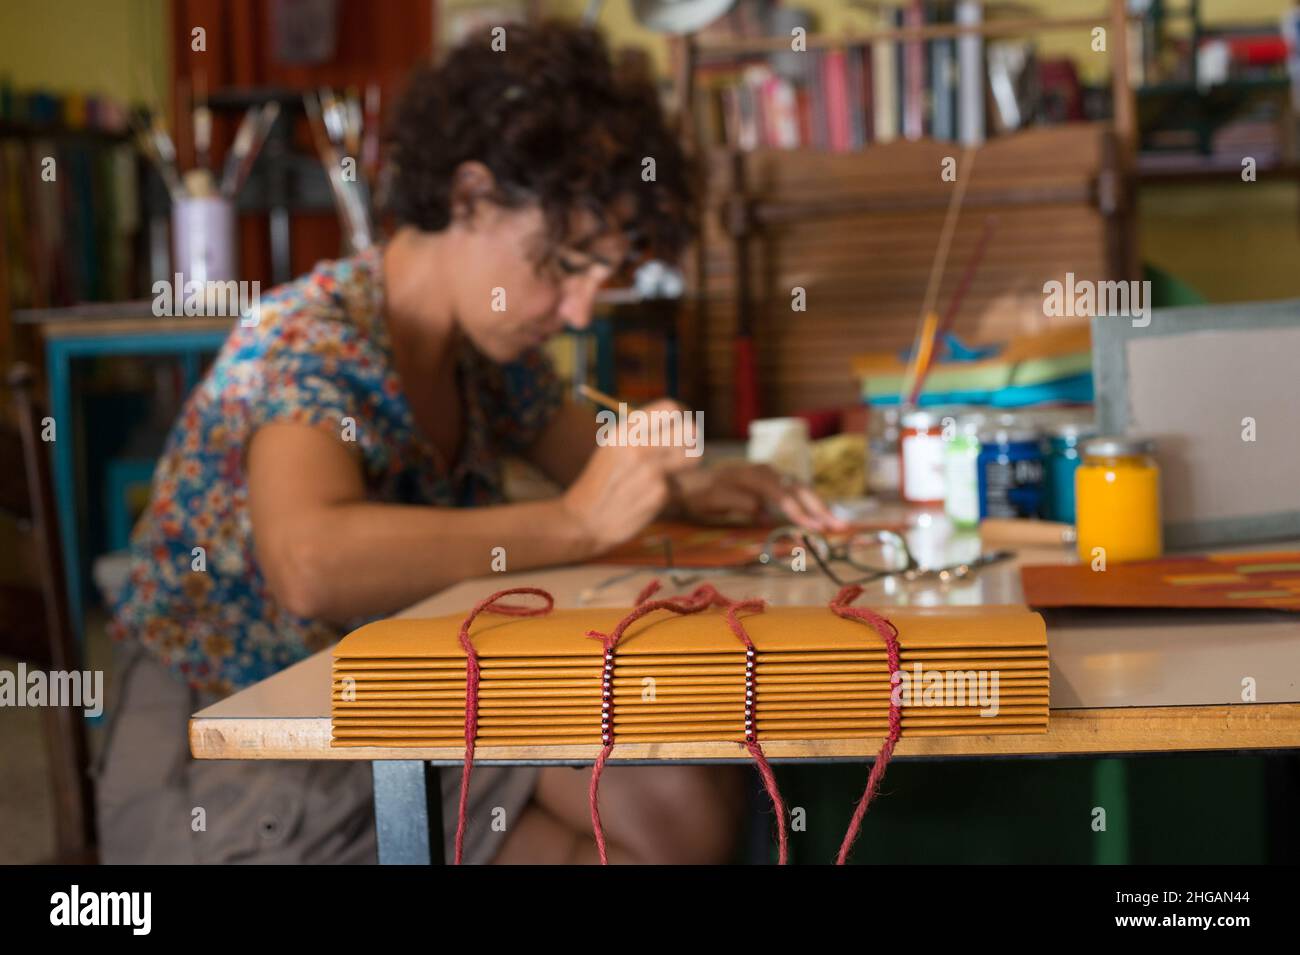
[{"x": 319, "y": 355}]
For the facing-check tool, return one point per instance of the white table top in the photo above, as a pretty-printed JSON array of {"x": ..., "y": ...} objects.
[{"x": 1100, "y": 661}]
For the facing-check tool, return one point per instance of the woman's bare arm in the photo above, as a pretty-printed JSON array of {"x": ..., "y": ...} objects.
[
  {"x": 329, "y": 554},
  {"x": 569, "y": 439},
  {"x": 566, "y": 443}
]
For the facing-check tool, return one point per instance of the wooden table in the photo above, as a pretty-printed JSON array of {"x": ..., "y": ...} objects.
[{"x": 1121, "y": 683}]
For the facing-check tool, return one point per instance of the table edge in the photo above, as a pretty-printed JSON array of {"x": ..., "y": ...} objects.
[{"x": 1110, "y": 730}]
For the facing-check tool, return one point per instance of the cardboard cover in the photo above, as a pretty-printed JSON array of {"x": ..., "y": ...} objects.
[
  {"x": 796, "y": 629},
  {"x": 680, "y": 677},
  {"x": 1263, "y": 580}
]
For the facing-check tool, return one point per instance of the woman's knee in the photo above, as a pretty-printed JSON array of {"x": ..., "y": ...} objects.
[
  {"x": 655, "y": 814},
  {"x": 685, "y": 814}
]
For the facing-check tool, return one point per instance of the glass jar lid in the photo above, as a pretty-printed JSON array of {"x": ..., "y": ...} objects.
[
  {"x": 921, "y": 419},
  {"x": 1071, "y": 430},
  {"x": 1118, "y": 446},
  {"x": 933, "y": 416},
  {"x": 1008, "y": 428}
]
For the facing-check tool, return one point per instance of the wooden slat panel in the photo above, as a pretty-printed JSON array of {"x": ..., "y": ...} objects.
[{"x": 865, "y": 274}]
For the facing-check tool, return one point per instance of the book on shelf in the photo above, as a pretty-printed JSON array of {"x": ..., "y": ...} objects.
[
  {"x": 69, "y": 209},
  {"x": 836, "y": 82},
  {"x": 883, "y": 76},
  {"x": 913, "y": 85},
  {"x": 943, "y": 89},
  {"x": 970, "y": 75},
  {"x": 852, "y": 96},
  {"x": 819, "y": 122}
]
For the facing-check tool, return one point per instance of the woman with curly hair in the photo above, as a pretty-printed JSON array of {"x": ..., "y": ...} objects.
[{"x": 341, "y": 460}]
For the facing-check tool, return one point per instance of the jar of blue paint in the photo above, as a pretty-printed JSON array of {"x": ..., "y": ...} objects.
[
  {"x": 1010, "y": 469},
  {"x": 1063, "y": 443}
]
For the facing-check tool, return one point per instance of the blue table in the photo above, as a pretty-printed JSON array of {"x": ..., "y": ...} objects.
[{"x": 94, "y": 331}]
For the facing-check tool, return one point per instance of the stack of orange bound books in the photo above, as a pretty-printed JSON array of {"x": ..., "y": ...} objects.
[{"x": 682, "y": 678}]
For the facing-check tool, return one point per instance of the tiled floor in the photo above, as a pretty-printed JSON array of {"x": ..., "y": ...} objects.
[{"x": 26, "y": 817}]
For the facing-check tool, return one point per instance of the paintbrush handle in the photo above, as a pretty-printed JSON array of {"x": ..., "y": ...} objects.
[
  {"x": 238, "y": 149},
  {"x": 924, "y": 355},
  {"x": 599, "y": 397},
  {"x": 202, "y": 136},
  {"x": 266, "y": 118},
  {"x": 954, "y": 306},
  {"x": 1025, "y": 532}
]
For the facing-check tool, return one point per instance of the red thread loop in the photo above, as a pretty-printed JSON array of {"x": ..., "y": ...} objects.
[
  {"x": 472, "y": 673},
  {"x": 889, "y": 634},
  {"x": 751, "y": 727},
  {"x": 701, "y": 598},
  {"x": 648, "y": 591}
]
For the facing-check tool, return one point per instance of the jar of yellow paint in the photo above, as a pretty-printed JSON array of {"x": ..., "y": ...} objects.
[{"x": 1117, "y": 494}]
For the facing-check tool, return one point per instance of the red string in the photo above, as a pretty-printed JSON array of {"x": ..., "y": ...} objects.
[
  {"x": 889, "y": 634},
  {"x": 701, "y": 598},
  {"x": 648, "y": 591},
  {"x": 592, "y": 796},
  {"x": 751, "y": 733},
  {"x": 472, "y": 672}
]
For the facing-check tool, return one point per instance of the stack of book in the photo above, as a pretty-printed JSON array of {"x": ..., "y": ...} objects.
[
  {"x": 963, "y": 671},
  {"x": 842, "y": 99}
]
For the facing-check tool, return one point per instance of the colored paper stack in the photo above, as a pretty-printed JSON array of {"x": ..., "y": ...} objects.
[
  {"x": 963, "y": 671},
  {"x": 1055, "y": 365}
]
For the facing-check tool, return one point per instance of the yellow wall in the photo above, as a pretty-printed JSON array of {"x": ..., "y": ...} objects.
[
  {"x": 116, "y": 47},
  {"x": 1232, "y": 242}
]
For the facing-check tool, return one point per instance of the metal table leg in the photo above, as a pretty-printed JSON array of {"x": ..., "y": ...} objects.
[
  {"x": 408, "y": 812},
  {"x": 1110, "y": 791}
]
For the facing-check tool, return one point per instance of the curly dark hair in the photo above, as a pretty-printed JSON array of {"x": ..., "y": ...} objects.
[{"x": 556, "y": 125}]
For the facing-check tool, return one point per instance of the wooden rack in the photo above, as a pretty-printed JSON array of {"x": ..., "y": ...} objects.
[{"x": 809, "y": 212}]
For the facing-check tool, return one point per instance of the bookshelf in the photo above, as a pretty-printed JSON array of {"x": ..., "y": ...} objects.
[
  {"x": 77, "y": 238},
  {"x": 703, "y": 51},
  {"x": 784, "y": 217},
  {"x": 1213, "y": 97},
  {"x": 991, "y": 29}
]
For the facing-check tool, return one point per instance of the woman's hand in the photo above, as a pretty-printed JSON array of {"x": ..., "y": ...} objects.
[
  {"x": 746, "y": 491},
  {"x": 623, "y": 488}
]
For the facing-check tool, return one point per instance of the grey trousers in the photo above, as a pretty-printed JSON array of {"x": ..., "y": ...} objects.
[{"x": 157, "y": 804}]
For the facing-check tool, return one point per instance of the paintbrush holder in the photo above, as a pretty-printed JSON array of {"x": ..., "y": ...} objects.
[{"x": 203, "y": 240}]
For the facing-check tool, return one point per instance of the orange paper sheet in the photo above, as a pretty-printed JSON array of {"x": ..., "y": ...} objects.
[{"x": 1264, "y": 580}]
